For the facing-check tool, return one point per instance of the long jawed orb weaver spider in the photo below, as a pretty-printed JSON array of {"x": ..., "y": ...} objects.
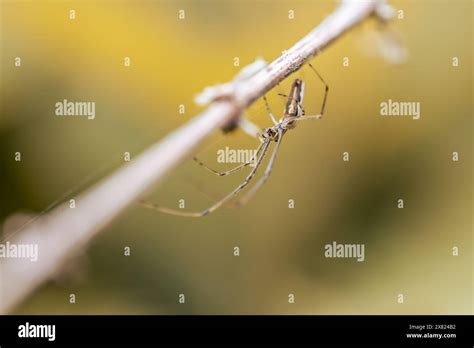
[{"x": 293, "y": 113}]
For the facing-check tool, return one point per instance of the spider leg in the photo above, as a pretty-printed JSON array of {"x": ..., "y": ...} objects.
[
  {"x": 309, "y": 117},
  {"x": 326, "y": 89},
  {"x": 217, "y": 204},
  {"x": 265, "y": 176},
  {"x": 233, "y": 170},
  {"x": 269, "y": 111}
]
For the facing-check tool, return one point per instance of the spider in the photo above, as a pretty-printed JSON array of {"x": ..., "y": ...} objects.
[{"x": 293, "y": 113}]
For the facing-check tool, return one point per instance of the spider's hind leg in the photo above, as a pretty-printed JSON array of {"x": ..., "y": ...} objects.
[{"x": 326, "y": 89}]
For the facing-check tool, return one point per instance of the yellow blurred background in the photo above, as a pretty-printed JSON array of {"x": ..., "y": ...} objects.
[{"x": 407, "y": 251}]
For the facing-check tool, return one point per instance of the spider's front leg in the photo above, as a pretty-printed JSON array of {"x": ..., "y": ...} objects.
[
  {"x": 249, "y": 128},
  {"x": 216, "y": 205},
  {"x": 265, "y": 175}
]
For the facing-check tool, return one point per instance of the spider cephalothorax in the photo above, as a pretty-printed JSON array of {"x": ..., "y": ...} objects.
[{"x": 269, "y": 134}]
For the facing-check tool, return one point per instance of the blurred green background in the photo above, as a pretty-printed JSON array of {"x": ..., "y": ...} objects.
[{"x": 407, "y": 250}]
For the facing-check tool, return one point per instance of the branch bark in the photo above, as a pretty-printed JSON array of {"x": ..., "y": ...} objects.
[{"x": 63, "y": 231}]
